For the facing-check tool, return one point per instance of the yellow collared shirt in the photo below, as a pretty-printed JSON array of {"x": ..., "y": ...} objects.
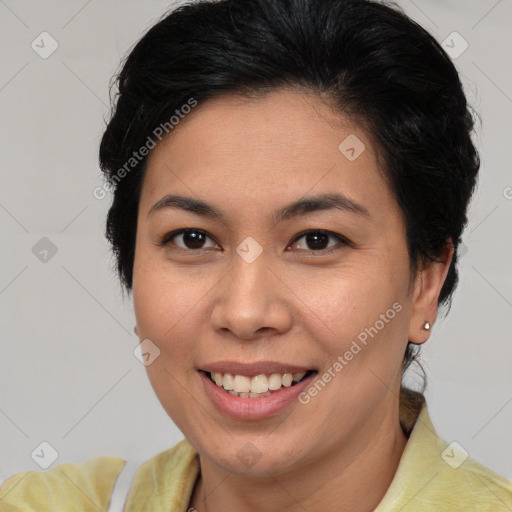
[{"x": 431, "y": 476}]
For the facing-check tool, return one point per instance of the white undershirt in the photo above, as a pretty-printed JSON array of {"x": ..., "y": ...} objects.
[{"x": 122, "y": 486}]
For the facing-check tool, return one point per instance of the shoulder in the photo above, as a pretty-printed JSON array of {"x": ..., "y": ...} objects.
[
  {"x": 436, "y": 475},
  {"x": 71, "y": 487},
  {"x": 470, "y": 486},
  {"x": 463, "y": 482},
  {"x": 168, "y": 477},
  {"x": 167, "y": 480}
]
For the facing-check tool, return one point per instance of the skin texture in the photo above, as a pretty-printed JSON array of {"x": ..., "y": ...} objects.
[{"x": 293, "y": 304}]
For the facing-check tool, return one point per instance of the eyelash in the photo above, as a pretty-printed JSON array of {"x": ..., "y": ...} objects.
[{"x": 166, "y": 239}]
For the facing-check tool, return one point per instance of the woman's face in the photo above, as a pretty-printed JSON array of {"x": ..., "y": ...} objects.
[{"x": 249, "y": 286}]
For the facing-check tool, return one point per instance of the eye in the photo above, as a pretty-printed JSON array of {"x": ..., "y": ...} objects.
[
  {"x": 192, "y": 238},
  {"x": 318, "y": 239}
]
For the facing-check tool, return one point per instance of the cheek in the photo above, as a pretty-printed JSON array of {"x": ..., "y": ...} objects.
[
  {"x": 367, "y": 307},
  {"x": 167, "y": 302},
  {"x": 164, "y": 308},
  {"x": 358, "y": 295}
]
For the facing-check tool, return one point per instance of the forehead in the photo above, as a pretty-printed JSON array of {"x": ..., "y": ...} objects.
[{"x": 285, "y": 144}]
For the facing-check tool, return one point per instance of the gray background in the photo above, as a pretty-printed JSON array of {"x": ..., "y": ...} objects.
[{"x": 68, "y": 375}]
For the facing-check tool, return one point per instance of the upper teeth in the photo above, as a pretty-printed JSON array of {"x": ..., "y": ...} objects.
[{"x": 258, "y": 384}]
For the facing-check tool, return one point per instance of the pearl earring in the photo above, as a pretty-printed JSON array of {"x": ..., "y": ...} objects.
[{"x": 426, "y": 326}]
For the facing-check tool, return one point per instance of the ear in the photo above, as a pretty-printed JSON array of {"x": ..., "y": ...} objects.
[{"x": 427, "y": 288}]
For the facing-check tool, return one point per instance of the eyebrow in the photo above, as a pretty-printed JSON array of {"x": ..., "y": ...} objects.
[{"x": 303, "y": 206}]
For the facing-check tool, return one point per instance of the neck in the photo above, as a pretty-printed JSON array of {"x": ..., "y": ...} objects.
[{"x": 353, "y": 477}]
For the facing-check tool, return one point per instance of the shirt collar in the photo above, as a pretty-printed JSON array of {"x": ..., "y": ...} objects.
[{"x": 420, "y": 460}]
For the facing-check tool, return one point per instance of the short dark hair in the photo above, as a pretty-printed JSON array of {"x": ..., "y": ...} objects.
[{"x": 367, "y": 58}]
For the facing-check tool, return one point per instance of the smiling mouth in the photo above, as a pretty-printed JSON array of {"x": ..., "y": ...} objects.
[{"x": 258, "y": 386}]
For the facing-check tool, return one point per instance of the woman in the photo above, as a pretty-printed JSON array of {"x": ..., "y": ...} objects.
[{"x": 291, "y": 180}]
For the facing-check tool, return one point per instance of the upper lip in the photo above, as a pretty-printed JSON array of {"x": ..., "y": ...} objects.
[{"x": 253, "y": 368}]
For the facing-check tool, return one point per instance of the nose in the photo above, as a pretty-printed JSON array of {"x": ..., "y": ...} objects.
[{"x": 252, "y": 301}]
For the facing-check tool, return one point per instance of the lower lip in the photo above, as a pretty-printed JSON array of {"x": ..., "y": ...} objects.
[{"x": 253, "y": 408}]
